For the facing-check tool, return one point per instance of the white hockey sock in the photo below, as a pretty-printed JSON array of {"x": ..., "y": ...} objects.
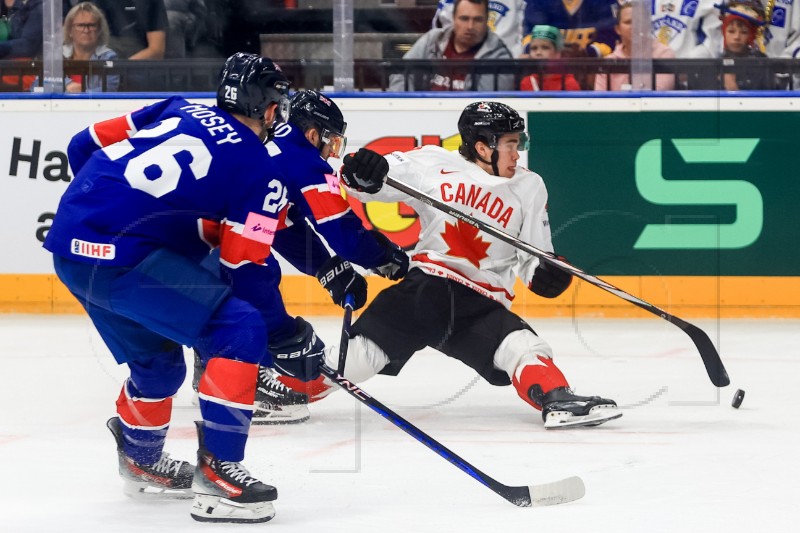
[{"x": 519, "y": 349}]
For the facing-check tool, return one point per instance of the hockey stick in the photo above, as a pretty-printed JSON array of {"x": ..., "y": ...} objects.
[
  {"x": 349, "y": 303},
  {"x": 556, "y": 492},
  {"x": 714, "y": 367}
]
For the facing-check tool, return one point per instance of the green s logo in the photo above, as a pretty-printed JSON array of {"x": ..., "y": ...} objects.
[{"x": 744, "y": 195}]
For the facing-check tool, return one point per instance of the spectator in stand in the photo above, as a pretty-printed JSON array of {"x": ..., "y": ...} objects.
[
  {"x": 24, "y": 40},
  {"x": 741, "y": 21},
  {"x": 468, "y": 38},
  {"x": 691, "y": 29},
  {"x": 138, "y": 27},
  {"x": 546, "y": 43},
  {"x": 622, "y": 82},
  {"x": 505, "y": 19},
  {"x": 187, "y": 22},
  {"x": 587, "y": 25},
  {"x": 25, "y": 29},
  {"x": 86, "y": 39}
]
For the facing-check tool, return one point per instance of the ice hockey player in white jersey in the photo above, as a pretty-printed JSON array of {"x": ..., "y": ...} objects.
[{"x": 457, "y": 294}]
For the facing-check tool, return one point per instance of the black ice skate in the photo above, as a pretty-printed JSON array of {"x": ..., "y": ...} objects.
[
  {"x": 561, "y": 408},
  {"x": 166, "y": 479},
  {"x": 225, "y": 491},
  {"x": 276, "y": 403}
]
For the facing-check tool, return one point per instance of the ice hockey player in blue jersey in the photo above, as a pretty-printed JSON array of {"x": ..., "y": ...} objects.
[
  {"x": 127, "y": 242},
  {"x": 300, "y": 149}
]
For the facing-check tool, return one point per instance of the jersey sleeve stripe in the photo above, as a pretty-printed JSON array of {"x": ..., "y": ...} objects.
[
  {"x": 324, "y": 204},
  {"x": 111, "y": 131}
]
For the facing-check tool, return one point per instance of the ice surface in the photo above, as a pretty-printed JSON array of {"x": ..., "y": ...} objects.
[{"x": 681, "y": 459}]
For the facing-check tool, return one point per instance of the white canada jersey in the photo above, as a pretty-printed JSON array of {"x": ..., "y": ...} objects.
[{"x": 453, "y": 249}]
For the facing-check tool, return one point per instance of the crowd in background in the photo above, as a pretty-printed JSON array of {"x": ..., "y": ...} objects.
[{"x": 554, "y": 32}]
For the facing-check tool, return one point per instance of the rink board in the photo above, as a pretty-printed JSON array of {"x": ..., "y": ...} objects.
[{"x": 752, "y": 273}]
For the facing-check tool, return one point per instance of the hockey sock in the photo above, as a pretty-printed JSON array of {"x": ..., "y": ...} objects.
[
  {"x": 535, "y": 379},
  {"x": 144, "y": 424},
  {"x": 227, "y": 391}
]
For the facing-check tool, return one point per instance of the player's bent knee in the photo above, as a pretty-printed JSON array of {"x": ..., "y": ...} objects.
[
  {"x": 364, "y": 359},
  {"x": 519, "y": 348}
]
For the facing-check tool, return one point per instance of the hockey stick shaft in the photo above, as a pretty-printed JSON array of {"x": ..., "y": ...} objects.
[
  {"x": 711, "y": 359},
  {"x": 349, "y": 303},
  {"x": 561, "y": 491}
]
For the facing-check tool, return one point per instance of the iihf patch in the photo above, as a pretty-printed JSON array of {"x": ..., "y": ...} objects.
[{"x": 93, "y": 249}]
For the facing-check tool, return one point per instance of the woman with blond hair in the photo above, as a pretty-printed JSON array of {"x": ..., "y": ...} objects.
[{"x": 86, "y": 39}]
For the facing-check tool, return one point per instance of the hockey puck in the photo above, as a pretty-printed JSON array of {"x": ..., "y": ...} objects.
[{"x": 737, "y": 398}]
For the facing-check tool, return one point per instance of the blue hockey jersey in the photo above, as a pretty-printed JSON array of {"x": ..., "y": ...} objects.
[
  {"x": 312, "y": 194},
  {"x": 145, "y": 181},
  {"x": 313, "y": 189}
]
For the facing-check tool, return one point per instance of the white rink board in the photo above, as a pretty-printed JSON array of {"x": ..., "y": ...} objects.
[{"x": 27, "y": 200}]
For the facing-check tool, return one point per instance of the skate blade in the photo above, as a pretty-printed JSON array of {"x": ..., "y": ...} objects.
[
  {"x": 145, "y": 491},
  {"x": 208, "y": 508},
  {"x": 285, "y": 415},
  {"x": 565, "y": 419}
]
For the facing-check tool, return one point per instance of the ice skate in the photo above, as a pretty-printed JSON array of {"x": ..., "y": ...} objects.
[
  {"x": 225, "y": 491},
  {"x": 561, "y": 408},
  {"x": 276, "y": 403},
  {"x": 166, "y": 479}
]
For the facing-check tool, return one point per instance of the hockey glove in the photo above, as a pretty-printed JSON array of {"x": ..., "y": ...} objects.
[
  {"x": 396, "y": 265},
  {"x": 300, "y": 355},
  {"x": 338, "y": 278},
  {"x": 365, "y": 171},
  {"x": 549, "y": 281}
]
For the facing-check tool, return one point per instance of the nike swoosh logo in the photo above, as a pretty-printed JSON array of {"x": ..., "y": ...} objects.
[{"x": 443, "y": 171}]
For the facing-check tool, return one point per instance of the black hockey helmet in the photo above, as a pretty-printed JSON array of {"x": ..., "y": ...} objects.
[
  {"x": 248, "y": 84},
  {"x": 311, "y": 109},
  {"x": 487, "y": 122}
]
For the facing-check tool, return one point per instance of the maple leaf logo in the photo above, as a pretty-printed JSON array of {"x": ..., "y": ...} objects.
[{"x": 464, "y": 241}]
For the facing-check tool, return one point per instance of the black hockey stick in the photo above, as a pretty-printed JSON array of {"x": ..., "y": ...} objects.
[
  {"x": 714, "y": 367},
  {"x": 349, "y": 303},
  {"x": 556, "y": 492}
]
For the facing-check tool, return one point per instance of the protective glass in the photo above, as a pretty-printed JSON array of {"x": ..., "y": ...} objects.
[
  {"x": 505, "y": 142},
  {"x": 338, "y": 143}
]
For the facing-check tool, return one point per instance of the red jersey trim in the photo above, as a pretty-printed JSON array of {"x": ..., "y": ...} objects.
[
  {"x": 423, "y": 258},
  {"x": 324, "y": 204}
]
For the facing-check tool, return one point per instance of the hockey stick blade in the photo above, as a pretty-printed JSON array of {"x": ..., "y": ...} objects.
[
  {"x": 554, "y": 493},
  {"x": 714, "y": 367}
]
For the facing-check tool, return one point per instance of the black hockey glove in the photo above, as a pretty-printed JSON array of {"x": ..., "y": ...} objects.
[
  {"x": 300, "y": 355},
  {"x": 365, "y": 171},
  {"x": 549, "y": 281},
  {"x": 338, "y": 278},
  {"x": 396, "y": 265}
]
